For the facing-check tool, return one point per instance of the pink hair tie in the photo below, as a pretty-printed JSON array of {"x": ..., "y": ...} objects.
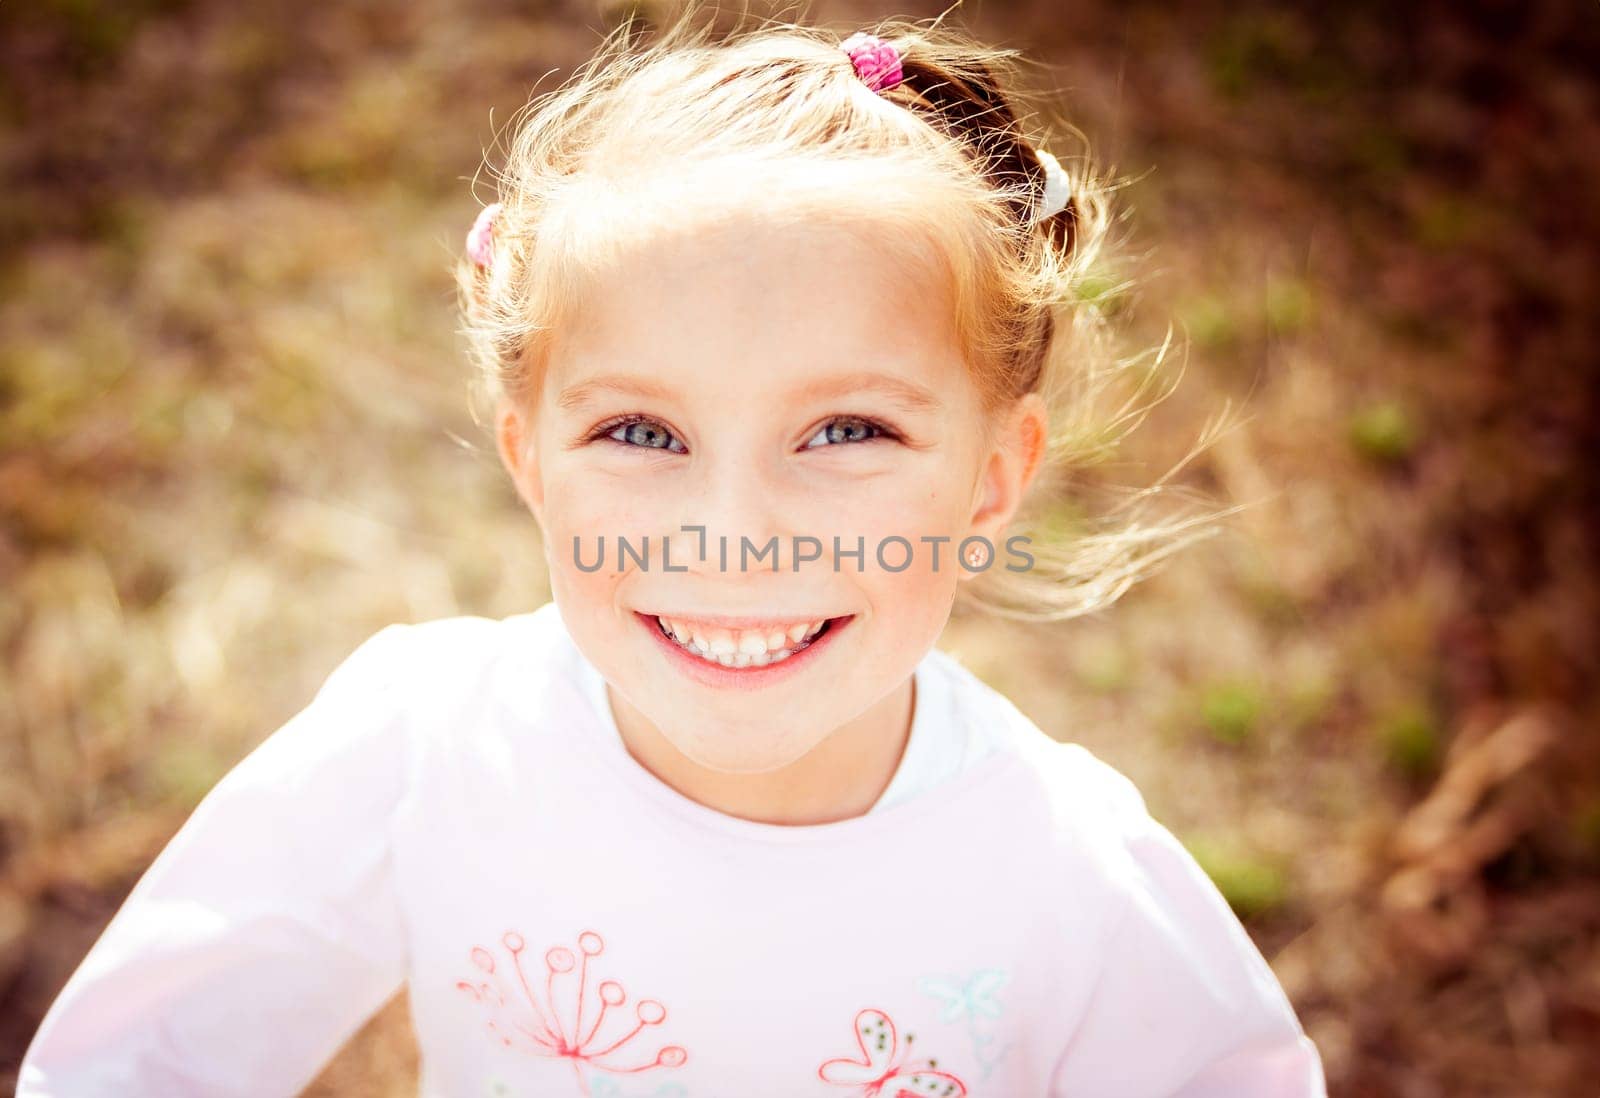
[
  {"x": 876, "y": 62},
  {"x": 480, "y": 238}
]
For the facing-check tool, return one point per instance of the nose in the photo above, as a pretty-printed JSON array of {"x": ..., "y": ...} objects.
[{"x": 740, "y": 504}]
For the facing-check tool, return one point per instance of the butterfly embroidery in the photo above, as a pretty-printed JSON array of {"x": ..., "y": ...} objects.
[{"x": 883, "y": 1071}]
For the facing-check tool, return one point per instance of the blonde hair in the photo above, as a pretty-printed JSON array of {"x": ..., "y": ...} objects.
[{"x": 773, "y": 120}]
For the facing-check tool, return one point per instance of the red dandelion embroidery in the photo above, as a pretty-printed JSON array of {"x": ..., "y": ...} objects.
[
  {"x": 883, "y": 1071},
  {"x": 541, "y": 1029}
]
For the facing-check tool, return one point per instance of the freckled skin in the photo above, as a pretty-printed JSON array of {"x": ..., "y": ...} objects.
[{"x": 735, "y": 321}]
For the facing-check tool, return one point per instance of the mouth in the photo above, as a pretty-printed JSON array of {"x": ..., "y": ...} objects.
[{"x": 742, "y": 656}]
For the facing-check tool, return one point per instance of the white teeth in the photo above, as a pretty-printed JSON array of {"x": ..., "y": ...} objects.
[{"x": 747, "y": 648}]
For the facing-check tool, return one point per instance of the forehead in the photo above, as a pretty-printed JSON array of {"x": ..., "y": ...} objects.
[{"x": 763, "y": 303}]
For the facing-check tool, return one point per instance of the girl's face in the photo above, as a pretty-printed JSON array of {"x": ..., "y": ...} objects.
[{"x": 797, "y": 383}]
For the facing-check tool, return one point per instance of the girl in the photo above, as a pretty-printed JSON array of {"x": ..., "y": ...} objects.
[{"x": 770, "y": 326}]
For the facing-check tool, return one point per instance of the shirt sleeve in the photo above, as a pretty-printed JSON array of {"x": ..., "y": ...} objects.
[
  {"x": 1184, "y": 1005},
  {"x": 266, "y": 932}
]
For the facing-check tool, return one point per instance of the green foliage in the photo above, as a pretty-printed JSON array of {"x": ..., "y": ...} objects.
[
  {"x": 1062, "y": 521},
  {"x": 1252, "y": 884},
  {"x": 1230, "y": 711},
  {"x": 91, "y": 34},
  {"x": 1383, "y": 433},
  {"x": 1380, "y": 152},
  {"x": 1104, "y": 668},
  {"x": 1251, "y": 47},
  {"x": 1210, "y": 322},
  {"x": 1447, "y": 222},
  {"x": 1309, "y": 696},
  {"x": 1288, "y": 306},
  {"x": 183, "y": 772},
  {"x": 1586, "y": 826},
  {"x": 1409, "y": 738},
  {"x": 1101, "y": 292}
]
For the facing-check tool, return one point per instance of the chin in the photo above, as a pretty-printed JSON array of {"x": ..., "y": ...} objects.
[{"x": 742, "y": 755}]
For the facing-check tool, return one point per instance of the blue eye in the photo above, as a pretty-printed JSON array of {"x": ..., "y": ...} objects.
[
  {"x": 848, "y": 429},
  {"x": 646, "y": 434}
]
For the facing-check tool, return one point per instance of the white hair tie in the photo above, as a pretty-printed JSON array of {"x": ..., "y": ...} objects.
[{"x": 1057, "y": 187}]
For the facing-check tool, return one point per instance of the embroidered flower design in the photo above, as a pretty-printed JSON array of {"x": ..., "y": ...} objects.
[
  {"x": 972, "y": 1000},
  {"x": 883, "y": 1071},
  {"x": 541, "y": 1028}
]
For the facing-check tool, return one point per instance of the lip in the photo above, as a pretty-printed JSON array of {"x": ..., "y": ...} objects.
[
  {"x": 736, "y": 624},
  {"x": 743, "y": 678}
]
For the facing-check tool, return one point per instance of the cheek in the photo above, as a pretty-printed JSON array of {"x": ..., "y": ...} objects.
[
  {"x": 580, "y": 511},
  {"x": 920, "y": 503},
  {"x": 588, "y": 503},
  {"x": 908, "y": 528}
]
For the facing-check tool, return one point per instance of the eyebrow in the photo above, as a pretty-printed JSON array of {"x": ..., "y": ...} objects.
[
  {"x": 576, "y": 396},
  {"x": 907, "y": 393},
  {"x": 903, "y": 391}
]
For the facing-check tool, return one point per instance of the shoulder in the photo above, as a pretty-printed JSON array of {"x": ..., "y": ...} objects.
[
  {"x": 427, "y": 656},
  {"x": 447, "y": 679},
  {"x": 1076, "y": 781},
  {"x": 458, "y": 639},
  {"x": 468, "y": 680},
  {"x": 1079, "y": 804},
  {"x": 412, "y": 693}
]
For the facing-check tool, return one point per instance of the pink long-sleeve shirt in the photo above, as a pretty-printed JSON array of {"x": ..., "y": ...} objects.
[{"x": 454, "y": 812}]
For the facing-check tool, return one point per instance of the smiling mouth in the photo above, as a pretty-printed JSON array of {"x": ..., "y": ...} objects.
[{"x": 737, "y": 649}]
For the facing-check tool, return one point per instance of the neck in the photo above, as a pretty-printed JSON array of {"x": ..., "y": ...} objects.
[{"x": 842, "y": 777}]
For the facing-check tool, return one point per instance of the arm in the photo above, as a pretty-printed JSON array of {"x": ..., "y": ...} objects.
[
  {"x": 266, "y": 932},
  {"x": 1185, "y": 1006}
]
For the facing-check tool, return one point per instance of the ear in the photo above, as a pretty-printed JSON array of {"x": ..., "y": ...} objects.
[
  {"x": 1010, "y": 467},
  {"x": 514, "y": 440}
]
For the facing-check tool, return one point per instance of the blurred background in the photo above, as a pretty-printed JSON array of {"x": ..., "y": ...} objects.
[{"x": 235, "y": 441}]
